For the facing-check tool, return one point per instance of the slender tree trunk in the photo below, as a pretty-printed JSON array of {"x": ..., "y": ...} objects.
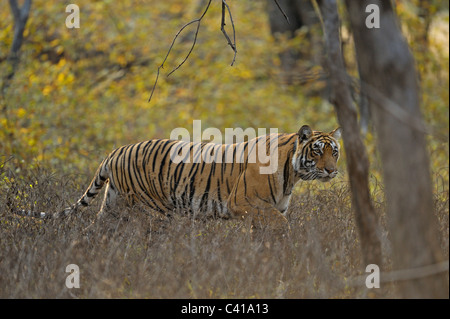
[
  {"x": 20, "y": 15},
  {"x": 357, "y": 160},
  {"x": 390, "y": 80}
]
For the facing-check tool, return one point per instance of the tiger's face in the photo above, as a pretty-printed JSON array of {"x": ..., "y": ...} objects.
[{"x": 317, "y": 154}]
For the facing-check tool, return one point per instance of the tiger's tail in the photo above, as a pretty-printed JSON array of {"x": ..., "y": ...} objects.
[{"x": 100, "y": 178}]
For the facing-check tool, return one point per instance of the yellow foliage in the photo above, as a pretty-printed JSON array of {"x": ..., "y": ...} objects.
[
  {"x": 21, "y": 112},
  {"x": 46, "y": 90}
]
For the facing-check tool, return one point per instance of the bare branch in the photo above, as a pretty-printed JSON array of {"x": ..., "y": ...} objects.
[
  {"x": 192, "y": 47},
  {"x": 154, "y": 85},
  {"x": 222, "y": 27},
  {"x": 198, "y": 20},
  {"x": 393, "y": 108}
]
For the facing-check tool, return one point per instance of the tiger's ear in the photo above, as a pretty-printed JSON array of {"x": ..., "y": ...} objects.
[
  {"x": 336, "y": 133},
  {"x": 304, "y": 133}
]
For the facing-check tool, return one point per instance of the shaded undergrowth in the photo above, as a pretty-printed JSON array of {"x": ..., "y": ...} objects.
[{"x": 142, "y": 255}]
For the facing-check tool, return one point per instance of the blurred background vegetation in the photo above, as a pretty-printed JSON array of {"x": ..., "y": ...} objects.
[{"x": 79, "y": 93}]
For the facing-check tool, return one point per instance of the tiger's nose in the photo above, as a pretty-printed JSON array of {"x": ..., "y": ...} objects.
[{"x": 330, "y": 170}]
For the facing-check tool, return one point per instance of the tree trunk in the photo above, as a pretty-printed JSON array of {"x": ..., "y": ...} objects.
[
  {"x": 20, "y": 15},
  {"x": 390, "y": 81},
  {"x": 357, "y": 160}
]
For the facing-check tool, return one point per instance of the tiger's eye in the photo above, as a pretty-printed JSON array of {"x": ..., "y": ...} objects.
[{"x": 316, "y": 150}]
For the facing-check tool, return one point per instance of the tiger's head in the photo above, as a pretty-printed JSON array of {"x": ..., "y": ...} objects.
[{"x": 316, "y": 154}]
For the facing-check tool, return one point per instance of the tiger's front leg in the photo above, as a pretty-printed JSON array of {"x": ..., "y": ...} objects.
[{"x": 251, "y": 200}]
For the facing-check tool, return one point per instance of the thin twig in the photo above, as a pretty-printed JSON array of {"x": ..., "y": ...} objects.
[
  {"x": 189, "y": 53},
  {"x": 222, "y": 27},
  {"x": 284, "y": 13},
  {"x": 198, "y": 20},
  {"x": 395, "y": 109},
  {"x": 195, "y": 37},
  {"x": 154, "y": 85}
]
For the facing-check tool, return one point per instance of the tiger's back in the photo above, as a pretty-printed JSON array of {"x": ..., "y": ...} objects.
[{"x": 199, "y": 182}]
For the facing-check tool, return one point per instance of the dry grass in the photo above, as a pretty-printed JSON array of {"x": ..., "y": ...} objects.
[{"x": 145, "y": 257}]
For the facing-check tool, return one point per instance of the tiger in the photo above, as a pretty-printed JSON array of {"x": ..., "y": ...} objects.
[{"x": 149, "y": 172}]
